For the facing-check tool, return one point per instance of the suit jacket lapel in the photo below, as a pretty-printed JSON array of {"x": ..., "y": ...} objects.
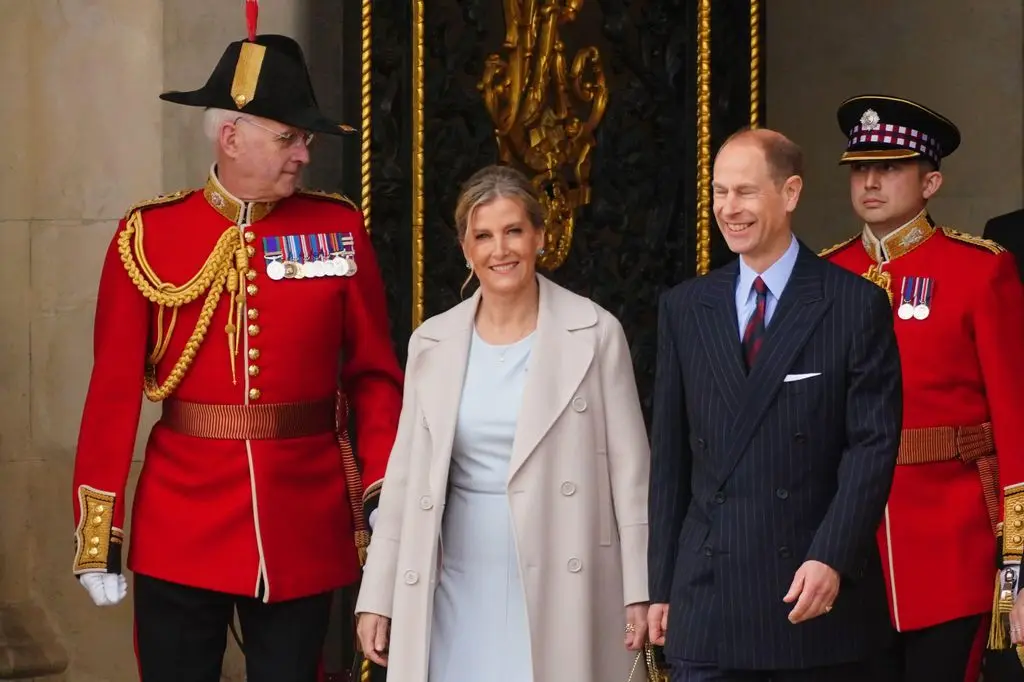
[
  {"x": 560, "y": 358},
  {"x": 443, "y": 370},
  {"x": 720, "y": 336},
  {"x": 797, "y": 315}
]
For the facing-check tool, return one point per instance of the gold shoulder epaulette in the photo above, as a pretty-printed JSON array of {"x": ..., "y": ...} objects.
[
  {"x": 836, "y": 247},
  {"x": 332, "y": 196},
  {"x": 980, "y": 242},
  {"x": 161, "y": 200}
]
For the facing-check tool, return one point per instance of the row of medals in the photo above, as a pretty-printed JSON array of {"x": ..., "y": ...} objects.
[
  {"x": 339, "y": 266},
  {"x": 908, "y": 310}
]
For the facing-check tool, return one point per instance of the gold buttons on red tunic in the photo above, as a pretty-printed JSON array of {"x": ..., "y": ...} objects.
[
  {"x": 254, "y": 370},
  {"x": 254, "y": 330},
  {"x": 254, "y": 394},
  {"x": 254, "y": 353}
]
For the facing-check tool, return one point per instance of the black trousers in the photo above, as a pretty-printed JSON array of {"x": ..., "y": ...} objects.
[
  {"x": 940, "y": 653},
  {"x": 181, "y": 633}
]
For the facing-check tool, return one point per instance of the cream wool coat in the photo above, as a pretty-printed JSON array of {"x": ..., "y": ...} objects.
[{"x": 577, "y": 489}]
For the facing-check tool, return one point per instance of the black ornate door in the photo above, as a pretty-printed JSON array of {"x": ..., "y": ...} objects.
[
  {"x": 667, "y": 81},
  {"x": 651, "y": 88}
]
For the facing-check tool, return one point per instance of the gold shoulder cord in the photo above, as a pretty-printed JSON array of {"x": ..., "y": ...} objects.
[
  {"x": 835, "y": 247},
  {"x": 986, "y": 244},
  {"x": 340, "y": 198},
  {"x": 225, "y": 267}
]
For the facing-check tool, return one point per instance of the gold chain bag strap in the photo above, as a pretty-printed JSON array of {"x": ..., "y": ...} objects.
[{"x": 654, "y": 674}]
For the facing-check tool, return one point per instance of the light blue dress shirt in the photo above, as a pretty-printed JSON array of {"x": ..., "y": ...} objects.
[{"x": 775, "y": 278}]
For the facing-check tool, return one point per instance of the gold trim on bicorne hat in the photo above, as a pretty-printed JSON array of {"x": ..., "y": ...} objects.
[
  {"x": 247, "y": 73},
  {"x": 230, "y": 206}
]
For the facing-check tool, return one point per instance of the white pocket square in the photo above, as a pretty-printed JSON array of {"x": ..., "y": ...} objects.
[{"x": 800, "y": 377}]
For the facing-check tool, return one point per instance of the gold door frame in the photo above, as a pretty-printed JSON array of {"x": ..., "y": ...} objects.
[
  {"x": 703, "y": 131},
  {"x": 704, "y": 117}
]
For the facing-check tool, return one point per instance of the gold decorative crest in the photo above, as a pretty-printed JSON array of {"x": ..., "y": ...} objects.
[{"x": 536, "y": 123}]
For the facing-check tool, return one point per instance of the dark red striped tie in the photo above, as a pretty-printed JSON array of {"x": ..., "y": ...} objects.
[{"x": 753, "y": 335}]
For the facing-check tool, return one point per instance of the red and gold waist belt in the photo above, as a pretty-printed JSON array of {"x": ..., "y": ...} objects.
[
  {"x": 969, "y": 444},
  {"x": 943, "y": 443},
  {"x": 266, "y": 421}
]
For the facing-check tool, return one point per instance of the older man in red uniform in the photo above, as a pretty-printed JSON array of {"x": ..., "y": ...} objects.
[
  {"x": 240, "y": 306},
  {"x": 957, "y": 498}
]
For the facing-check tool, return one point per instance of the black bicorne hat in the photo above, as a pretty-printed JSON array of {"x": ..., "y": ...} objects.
[
  {"x": 266, "y": 77},
  {"x": 884, "y": 128}
]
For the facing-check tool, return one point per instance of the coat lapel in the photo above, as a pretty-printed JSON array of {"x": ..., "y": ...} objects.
[
  {"x": 720, "y": 336},
  {"x": 562, "y": 354},
  {"x": 797, "y": 315},
  {"x": 443, "y": 370}
]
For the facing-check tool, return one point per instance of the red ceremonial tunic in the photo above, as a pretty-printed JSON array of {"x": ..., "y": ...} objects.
[
  {"x": 268, "y": 518},
  {"x": 963, "y": 366}
]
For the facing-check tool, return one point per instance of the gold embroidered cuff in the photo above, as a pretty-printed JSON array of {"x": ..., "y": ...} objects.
[
  {"x": 1013, "y": 523},
  {"x": 98, "y": 542}
]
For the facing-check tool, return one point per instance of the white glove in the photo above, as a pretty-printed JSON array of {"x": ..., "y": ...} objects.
[
  {"x": 372, "y": 519},
  {"x": 106, "y": 589}
]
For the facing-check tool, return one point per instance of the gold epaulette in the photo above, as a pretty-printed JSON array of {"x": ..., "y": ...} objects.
[
  {"x": 161, "y": 200},
  {"x": 981, "y": 242},
  {"x": 332, "y": 196},
  {"x": 836, "y": 247}
]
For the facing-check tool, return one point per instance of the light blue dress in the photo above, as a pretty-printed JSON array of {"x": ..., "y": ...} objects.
[{"x": 480, "y": 631}]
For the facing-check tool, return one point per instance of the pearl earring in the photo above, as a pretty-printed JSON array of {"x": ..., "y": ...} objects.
[
  {"x": 540, "y": 251},
  {"x": 468, "y": 266}
]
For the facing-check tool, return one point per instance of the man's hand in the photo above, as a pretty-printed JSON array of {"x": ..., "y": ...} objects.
[
  {"x": 657, "y": 623},
  {"x": 814, "y": 588},
  {"x": 106, "y": 589},
  {"x": 373, "y": 631},
  {"x": 636, "y": 626}
]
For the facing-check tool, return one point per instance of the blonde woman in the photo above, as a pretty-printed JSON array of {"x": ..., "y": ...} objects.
[{"x": 510, "y": 543}]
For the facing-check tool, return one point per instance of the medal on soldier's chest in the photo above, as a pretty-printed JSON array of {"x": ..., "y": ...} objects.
[{"x": 916, "y": 298}]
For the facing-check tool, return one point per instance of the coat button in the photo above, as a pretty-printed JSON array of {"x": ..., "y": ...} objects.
[
  {"x": 701, "y": 444},
  {"x": 782, "y": 494},
  {"x": 720, "y": 497},
  {"x": 250, "y": 236},
  {"x": 708, "y": 551},
  {"x": 425, "y": 422},
  {"x": 425, "y": 503},
  {"x": 574, "y": 565},
  {"x": 411, "y": 577},
  {"x": 579, "y": 403},
  {"x": 785, "y": 552},
  {"x": 568, "y": 488},
  {"x": 799, "y": 437}
]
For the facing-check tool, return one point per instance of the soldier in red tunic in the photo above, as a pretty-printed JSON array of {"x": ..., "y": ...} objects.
[
  {"x": 243, "y": 307},
  {"x": 957, "y": 498}
]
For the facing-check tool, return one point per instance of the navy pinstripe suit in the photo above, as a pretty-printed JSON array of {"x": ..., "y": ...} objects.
[{"x": 752, "y": 475}]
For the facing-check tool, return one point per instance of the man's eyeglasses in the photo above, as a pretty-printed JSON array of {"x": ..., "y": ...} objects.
[{"x": 289, "y": 139}]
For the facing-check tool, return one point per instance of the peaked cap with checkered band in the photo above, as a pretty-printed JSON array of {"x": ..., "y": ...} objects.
[{"x": 884, "y": 128}]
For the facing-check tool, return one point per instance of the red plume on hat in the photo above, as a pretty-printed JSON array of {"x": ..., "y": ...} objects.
[{"x": 252, "y": 15}]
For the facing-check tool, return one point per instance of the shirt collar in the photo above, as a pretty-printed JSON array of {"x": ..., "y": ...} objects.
[
  {"x": 900, "y": 241},
  {"x": 230, "y": 206},
  {"x": 775, "y": 277}
]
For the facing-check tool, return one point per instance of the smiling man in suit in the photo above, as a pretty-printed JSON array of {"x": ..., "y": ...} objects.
[{"x": 777, "y": 410}]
